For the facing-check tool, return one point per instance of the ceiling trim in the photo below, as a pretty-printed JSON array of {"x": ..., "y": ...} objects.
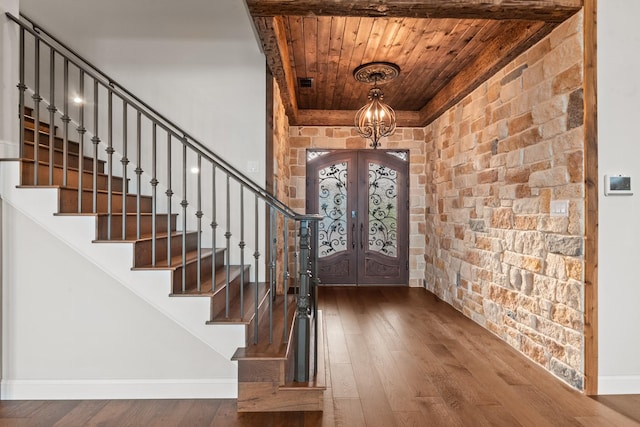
[
  {"x": 274, "y": 44},
  {"x": 534, "y": 10},
  {"x": 346, "y": 118},
  {"x": 497, "y": 53}
]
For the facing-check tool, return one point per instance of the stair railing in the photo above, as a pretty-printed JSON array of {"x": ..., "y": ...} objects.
[{"x": 132, "y": 141}]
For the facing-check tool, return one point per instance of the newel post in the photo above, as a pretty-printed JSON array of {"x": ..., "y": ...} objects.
[{"x": 303, "y": 312}]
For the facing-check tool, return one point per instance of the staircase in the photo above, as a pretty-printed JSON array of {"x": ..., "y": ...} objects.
[{"x": 166, "y": 234}]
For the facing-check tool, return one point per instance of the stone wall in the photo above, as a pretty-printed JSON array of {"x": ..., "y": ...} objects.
[
  {"x": 494, "y": 164},
  {"x": 280, "y": 146},
  {"x": 301, "y": 138},
  {"x": 281, "y": 178}
]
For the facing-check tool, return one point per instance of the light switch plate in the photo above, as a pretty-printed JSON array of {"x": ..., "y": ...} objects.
[{"x": 559, "y": 208}]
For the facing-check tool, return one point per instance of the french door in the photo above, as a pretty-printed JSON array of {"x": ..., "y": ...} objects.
[{"x": 363, "y": 196}]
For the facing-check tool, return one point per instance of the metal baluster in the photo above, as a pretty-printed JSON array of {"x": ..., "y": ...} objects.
[
  {"x": 125, "y": 163},
  {"x": 154, "y": 191},
  {"x": 65, "y": 128},
  {"x": 52, "y": 110},
  {"x": 110, "y": 150},
  {"x": 272, "y": 267},
  {"x": 285, "y": 253},
  {"x": 81, "y": 131},
  {"x": 96, "y": 141},
  {"x": 214, "y": 226},
  {"x": 256, "y": 256},
  {"x": 36, "y": 117},
  {"x": 296, "y": 263},
  {"x": 242, "y": 245},
  {"x": 138, "y": 171},
  {"x": 22, "y": 88},
  {"x": 227, "y": 235},
  {"x": 316, "y": 282},
  {"x": 184, "y": 205},
  {"x": 169, "y": 193},
  {"x": 199, "y": 216}
]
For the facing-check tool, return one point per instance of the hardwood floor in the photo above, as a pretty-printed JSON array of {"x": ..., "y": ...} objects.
[
  {"x": 397, "y": 357},
  {"x": 627, "y": 404}
]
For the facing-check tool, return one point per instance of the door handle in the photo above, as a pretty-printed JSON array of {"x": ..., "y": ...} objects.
[
  {"x": 353, "y": 235},
  {"x": 361, "y": 230}
]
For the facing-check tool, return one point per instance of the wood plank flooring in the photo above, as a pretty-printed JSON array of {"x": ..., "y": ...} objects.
[
  {"x": 397, "y": 357},
  {"x": 628, "y": 405}
]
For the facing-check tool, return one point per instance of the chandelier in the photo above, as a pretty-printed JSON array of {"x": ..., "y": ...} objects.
[{"x": 375, "y": 119}]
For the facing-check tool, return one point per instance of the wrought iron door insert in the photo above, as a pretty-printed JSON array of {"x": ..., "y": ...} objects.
[{"x": 364, "y": 199}]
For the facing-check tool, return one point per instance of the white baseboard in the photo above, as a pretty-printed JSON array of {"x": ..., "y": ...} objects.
[
  {"x": 118, "y": 389},
  {"x": 628, "y": 384}
]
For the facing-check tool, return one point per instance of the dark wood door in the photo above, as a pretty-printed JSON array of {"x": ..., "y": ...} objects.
[{"x": 364, "y": 198}]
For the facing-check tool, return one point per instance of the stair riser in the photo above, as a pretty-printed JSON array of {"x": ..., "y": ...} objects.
[
  {"x": 268, "y": 397},
  {"x": 218, "y": 302},
  {"x": 72, "y": 178},
  {"x": 146, "y": 226},
  {"x": 29, "y": 123},
  {"x": 58, "y": 142},
  {"x": 219, "y": 262},
  {"x": 191, "y": 271},
  {"x": 143, "y": 250},
  {"x": 68, "y": 202},
  {"x": 58, "y": 156},
  {"x": 263, "y": 310}
]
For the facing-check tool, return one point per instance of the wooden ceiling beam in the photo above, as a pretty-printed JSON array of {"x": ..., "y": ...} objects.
[
  {"x": 346, "y": 118},
  {"x": 497, "y": 53},
  {"x": 274, "y": 44},
  {"x": 554, "y": 11}
]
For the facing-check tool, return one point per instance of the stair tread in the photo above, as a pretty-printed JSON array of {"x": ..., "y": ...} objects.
[
  {"x": 106, "y": 214},
  {"x": 74, "y": 169},
  {"x": 60, "y": 150},
  {"x": 278, "y": 349},
  {"x": 249, "y": 306},
  {"x": 90, "y": 190},
  {"x": 144, "y": 237},
  {"x": 133, "y": 214},
  {"x": 119, "y": 214},
  {"x": 234, "y": 272},
  {"x": 29, "y": 116},
  {"x": 176, "y": 261},
  {"x": 47, "y": 133},
  {"x": 87, "y": 190}
]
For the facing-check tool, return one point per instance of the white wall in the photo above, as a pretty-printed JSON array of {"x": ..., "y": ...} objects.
[
  {"x": 619, "y": 216},
  {"x": 8, "y": 80},
  {"x": 197, "y": 62},
  {"x": 85, "y": 333}
]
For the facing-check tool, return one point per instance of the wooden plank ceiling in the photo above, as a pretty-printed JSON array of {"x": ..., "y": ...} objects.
[{"x": 444, "y": 48}]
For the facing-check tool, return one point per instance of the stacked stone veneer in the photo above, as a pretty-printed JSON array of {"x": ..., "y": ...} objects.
[
  {"x": 495, "y": 162},
  {"x": 280, "y": 147},
  {"x": 302, "y": 138},
  {"x": 281, "y": 178}
]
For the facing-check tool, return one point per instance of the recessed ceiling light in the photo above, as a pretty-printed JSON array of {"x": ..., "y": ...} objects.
[{"x": 78, "y": 100}]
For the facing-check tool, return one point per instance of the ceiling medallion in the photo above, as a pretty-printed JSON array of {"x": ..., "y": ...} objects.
[
  {"x": 376, "y": 119},
  {"x": 376, "y": 72}
]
